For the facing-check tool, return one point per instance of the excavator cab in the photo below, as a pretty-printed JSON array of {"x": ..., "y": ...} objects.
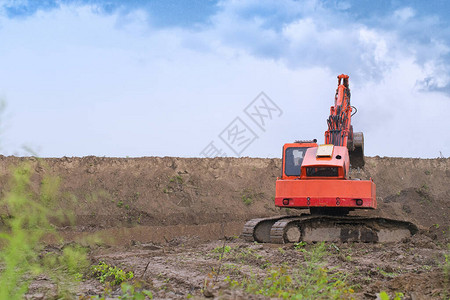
[
  {"x": 293, "y": 156},
  {"x": 316, "y": 178}
]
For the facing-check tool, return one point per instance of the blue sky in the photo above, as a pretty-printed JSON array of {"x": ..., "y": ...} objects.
[{"x": 165, "y": 78}]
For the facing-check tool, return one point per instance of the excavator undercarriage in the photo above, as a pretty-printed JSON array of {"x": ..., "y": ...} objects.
[{"x": 316, "y": 228}]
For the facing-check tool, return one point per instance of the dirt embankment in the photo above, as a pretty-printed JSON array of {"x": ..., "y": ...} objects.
[
  {"x": 166, "y": 215},
  {"x": 153, "y": 191}
]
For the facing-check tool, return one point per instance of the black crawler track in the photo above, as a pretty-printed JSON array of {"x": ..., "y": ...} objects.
[{"x": 315, "y": 228}]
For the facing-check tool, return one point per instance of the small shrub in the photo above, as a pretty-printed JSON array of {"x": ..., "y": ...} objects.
[
  {"x": 176, "y": 179},
  {"x": 248, "y": 254},
  {"x": 224, "y": 249},
  {"x": 105, "y": 273},
  {"x": 299, "y": 245},
  {"x": 248, "y": 196},
  {"x": 423, "y": 192},
  {"x": 131, "y": 292},
  {"x": 24, "y": 226},
  {"x": 385, "y": 296},
  {"x": 175, "y": 184},
  {"x": 446, "y": 271},
  {"x": 66, "y": 266},
  {"x": 247, "y": 200}
]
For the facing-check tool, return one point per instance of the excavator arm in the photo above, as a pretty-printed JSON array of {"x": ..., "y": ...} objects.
[{"x": 340, "y": 130}]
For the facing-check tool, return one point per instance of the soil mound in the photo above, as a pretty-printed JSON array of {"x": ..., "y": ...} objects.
[{"x": 159, "y": 191}]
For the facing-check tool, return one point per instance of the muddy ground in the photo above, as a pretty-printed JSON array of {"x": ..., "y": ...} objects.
[{"x": 163, "y": 218}]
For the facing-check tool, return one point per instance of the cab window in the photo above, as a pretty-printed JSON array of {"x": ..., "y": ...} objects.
[
  {"x": 293, "y": 158},
  {"x": 322, "y": 171}
]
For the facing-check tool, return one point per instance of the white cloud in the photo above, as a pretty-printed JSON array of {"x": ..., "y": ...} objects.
[
  {"x": 80, "y": 83},
  {"x": 374, "y": 44},
  {"x": 404, "y": 14}
]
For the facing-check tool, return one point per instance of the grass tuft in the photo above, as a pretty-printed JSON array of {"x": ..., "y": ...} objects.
[
  {"x": 310, "y": 280},
  {"x": 25, "y": 218}
]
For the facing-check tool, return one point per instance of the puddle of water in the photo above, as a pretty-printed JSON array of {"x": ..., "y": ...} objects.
[{"x": 158, "y": 234}]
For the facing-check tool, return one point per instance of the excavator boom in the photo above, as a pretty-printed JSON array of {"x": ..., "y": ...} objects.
[{"x": 340, "y": 131}]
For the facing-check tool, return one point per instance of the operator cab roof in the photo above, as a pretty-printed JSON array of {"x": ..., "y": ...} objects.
[{"x": 326, "y": 155}]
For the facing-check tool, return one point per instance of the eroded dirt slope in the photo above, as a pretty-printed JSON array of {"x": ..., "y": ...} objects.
[{"x": 153, "y": 191}]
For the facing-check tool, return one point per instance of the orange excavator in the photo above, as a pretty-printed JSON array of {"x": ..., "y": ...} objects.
[{"x": 316, "y": 177}]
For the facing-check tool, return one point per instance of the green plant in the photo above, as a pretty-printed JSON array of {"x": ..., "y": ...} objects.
[
  {"x": 177, "y": 179},
  {"x": 335, "y": 248},
  {"x": 446, "y": 271},
  {"x": 175, "y": 183},
  {"x": 132, "y": 292},
  {"x": 67, "y": 266},
  {"x": 423, "y": 192},
  {"x": 120, "y": 203},
  {"x": 25, "y": 217},
  {"x": 247, "y": 254},
  {"x": 299, "y": 245},
  {"x": 224, "y": 249},
  {"x": 387, "y": 274},
  {"x": 129, "y": 291},
  {"x": 232, "y": 268},
  {"x": 385, "y": 296},
  {"x": 106, "y": 273},
  {"x": 248, "y": 196},
  {"x": 247, "y": 199},
  {"x": 308, "y": 281}
]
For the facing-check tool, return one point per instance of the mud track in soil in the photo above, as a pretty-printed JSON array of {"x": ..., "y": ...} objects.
[{"x": 162, "y": 218}]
